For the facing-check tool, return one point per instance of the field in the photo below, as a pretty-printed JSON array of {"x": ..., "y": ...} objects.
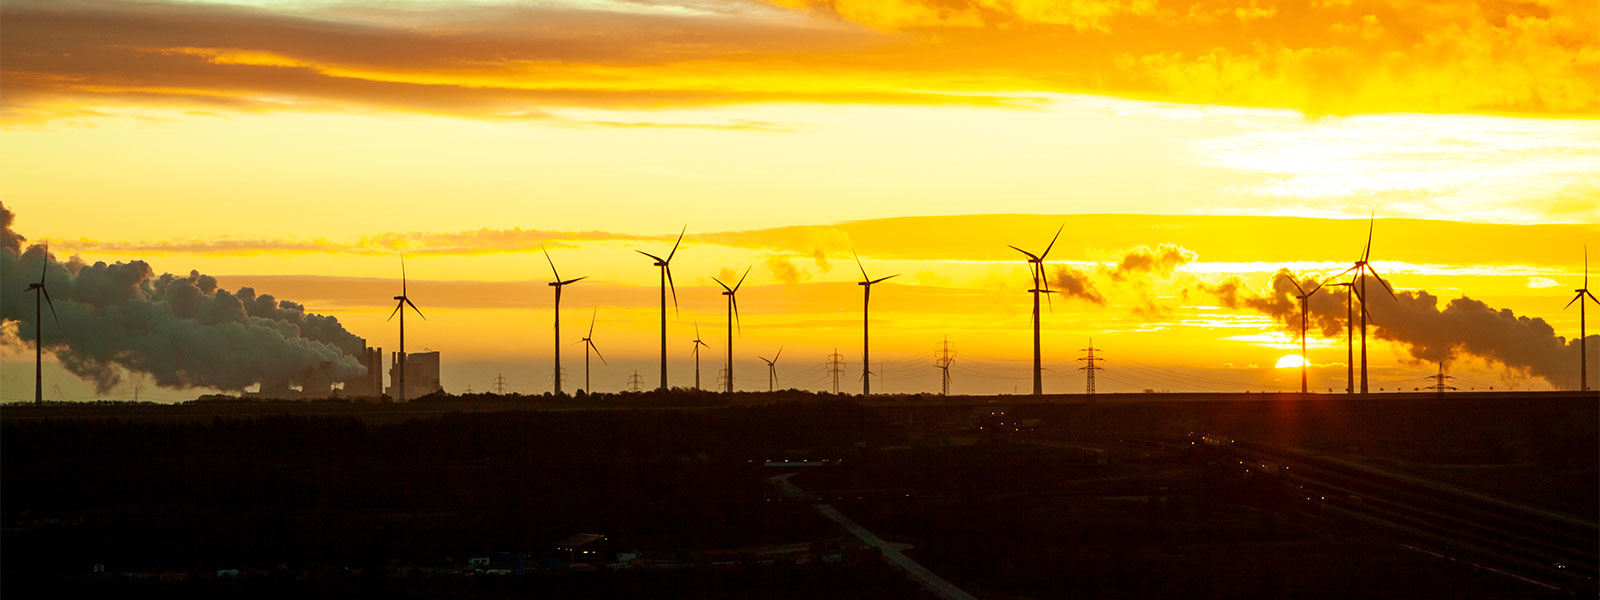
[{"x": 1002, "y": 496}]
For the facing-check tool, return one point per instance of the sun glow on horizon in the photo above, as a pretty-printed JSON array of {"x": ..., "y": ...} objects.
[{"x": 1291, "y": 361}]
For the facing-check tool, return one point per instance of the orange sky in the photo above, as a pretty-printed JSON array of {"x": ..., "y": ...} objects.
[{"x": 298, "y": 147}]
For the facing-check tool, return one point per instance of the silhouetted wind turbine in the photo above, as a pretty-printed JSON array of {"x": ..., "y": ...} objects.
[
  {"x": 1349, "y": 335},
  {"x": 1363, "y": 266},
  {"x": 588, "y": 345},
  {"x": 697, "y": 344},
  {"x": 39, "y": 291},
  {"x": 403, "y": 301},
  {"x": 666, "y": 282},
  {"x": 1041, "y": 285},
  {"x": 558, "y": 284},
  {"x": 1304, "y": 296},
  {"x": 866, "y": 318},
  {"x": 1583, "y": 332},
  {"x": 772, "y": 370},
  {"x": 733, "y": 320}
]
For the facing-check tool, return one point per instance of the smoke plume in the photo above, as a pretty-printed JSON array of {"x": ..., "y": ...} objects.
[
  {"x": 1133, "y": 269},
  {"x": 1415, "y": 320},
  {"x": 182, "y": 330}
]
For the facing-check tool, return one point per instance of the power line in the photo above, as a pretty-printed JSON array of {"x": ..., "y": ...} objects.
[
  {"x": 1089, "y": 367},
  {"x": 942, "y": 359},
  {"x": 1439, "y": 385},
  {"x": 835, "y": 366}
]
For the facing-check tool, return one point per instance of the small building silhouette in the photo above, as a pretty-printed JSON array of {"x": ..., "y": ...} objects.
[{"x": 422, "y": 374}]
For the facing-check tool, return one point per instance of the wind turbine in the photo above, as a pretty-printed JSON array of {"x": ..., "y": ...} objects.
[
  {"x": 39, "y": 291},
  {"x": 666, "y": 281},
  {"x": 866, "y": 318},
  {"x": 1583, "y": 333},
  {"x": 402, "y": 301},
  {"x": 733, "y": 320},
  {"x": 772, "y": 370},
  {"x": 697, "y": 344},
  {"x": 1041, "y": 285},
  {"x": 588, "y": 345},
  {"x": 1360, "y": 268},
  {"x": 1304, "y": 296},
  {"x": 558, "y": 284}
]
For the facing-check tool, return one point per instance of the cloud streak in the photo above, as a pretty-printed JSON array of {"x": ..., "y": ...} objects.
[{"x": 64, "y": 59}]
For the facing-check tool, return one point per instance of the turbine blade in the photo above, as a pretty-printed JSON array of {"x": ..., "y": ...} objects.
[
  {"x": 724, "y": 285},
  {"x": 741, "y": 277},
  {"x": 675, "y": 244},
  {"x": 864, "y": 276},
  {"x": 596, "y": 313},
  {"x": 414, "y": 307},
  {"x": 1045, "y": 279},
  {"x": 597, "y": 353},
  {"x": 1591, "y": 297},
  {"x": 1585, "y": 265},
  {"x": 1296, "y": 284},
  {"x": 1386, "y": 286},
  {"x": 397, "y": 307},
  {"x": 50, "y": 303},
  {"x": 552, "y": 262},
  {"x": 736, "y": 324},
  {"x": 674, "y": 289},
  {"x": 1029, "y": 254},
  {"x": 1574, "y": 299},
  {"x": 402, "y": 274},
  {"x": 46, "y": 264},
  {"x": 657, "y": 258},
  {"x": 780, "y": 354},
  {"x": 1373, "y": 220},
  {"x": 1052, "y": 242},
  {"x": 572, "y": 281},
  {"x": 883, "y": 278}
]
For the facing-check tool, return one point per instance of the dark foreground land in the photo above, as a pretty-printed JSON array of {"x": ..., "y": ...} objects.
[{"x": 1003, "y": 497}]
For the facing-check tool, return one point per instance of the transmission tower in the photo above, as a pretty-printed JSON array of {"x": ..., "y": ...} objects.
[
  {"x": 835, "y": 368},
  {"x": 500, "y": 384},
  {"x": 1089, "y": 366},
  {"x": 1438, "y": 380},
  {"x": 722, "y": 380},
  {"x": 942, "y": 359},
  {"x": 563, "y": 376},
  {"x": 469, "y": 390},
  {"x": 634, "y": 381}
]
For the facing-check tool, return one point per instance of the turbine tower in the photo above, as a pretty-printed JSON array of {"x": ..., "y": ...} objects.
[
  {"x": 772, "y": 370},
  {"x": 39, "y": 291},
  {"x": 866, "y": 318},
  {"x": 1304, "y": 297},
  {"x": 666, "y": 282},
  {"x": 558, "y": 284},
  {"x": 1583, "y": 333},
  {"x": 733, "y": 321},
  {"x": 1041, "y": 285},
  {"x": 588, "y": 345},
  {"x": 1361, "y": 268},
  {"x": 1349, "y": 335},
  {"x": 697, "y": 344},
  {"x": 401, "y": 302}
]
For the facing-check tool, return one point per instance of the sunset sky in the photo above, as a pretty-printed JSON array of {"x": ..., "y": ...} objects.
[{"x": 299, "y": 147}]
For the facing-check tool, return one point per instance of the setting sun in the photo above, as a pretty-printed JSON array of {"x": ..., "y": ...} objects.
[{"x": 1290, "y": 361}]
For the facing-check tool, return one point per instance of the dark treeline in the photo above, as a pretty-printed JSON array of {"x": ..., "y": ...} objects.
[{"x": 243, "y": 492}]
